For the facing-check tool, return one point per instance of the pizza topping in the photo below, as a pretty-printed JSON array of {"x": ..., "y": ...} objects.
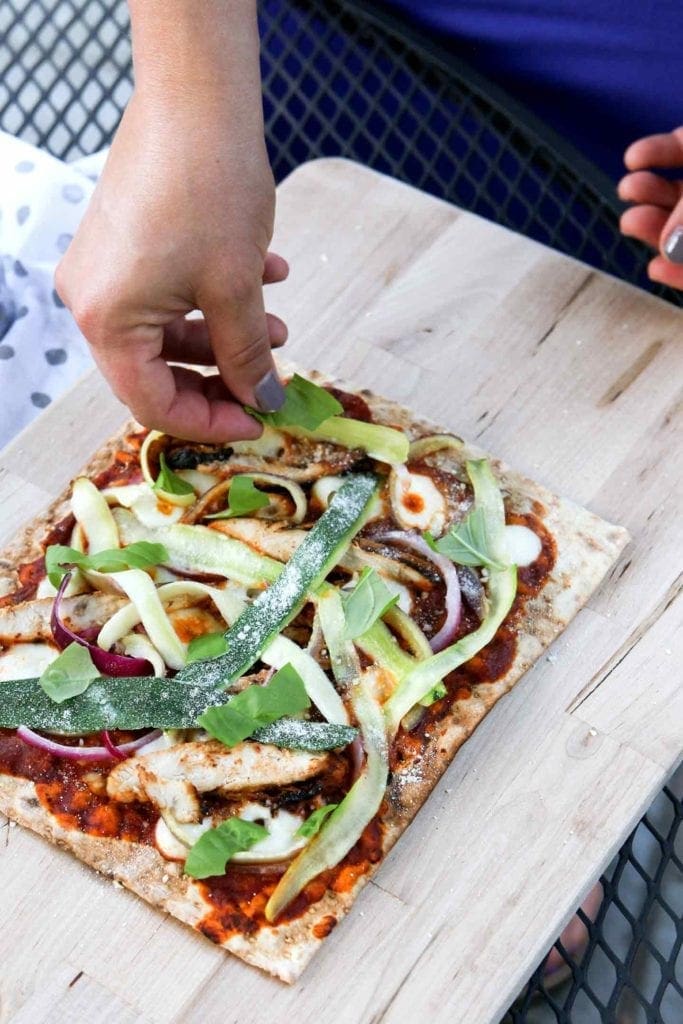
[
  {"x": 369, "y": 600},
  {"x": 244, "y": 498},
  {"x": 282, "y": 651},
  {"x": 416, "y": 501},
  {"x": 198, "y": 549},
  {"x": 103, "y": 661},
  {"x": 524, "y": 546},
  {"x": 215, "y": 848},
  {"x": 501, "y": 591},
  {"x": 445, "y": 566},
  {"x": 83, "y": 753},
  {"x": 171, "y": 488},
  {"x": 300, "y": 734},
  {"x": 315, "y": 822},
  {"x": 92, "y": 514},
  {"x": 60, "y": 560},
  {"x": 256, "y": 706},
  {"x": 69, "y": 675},
  {"x": 275, "y": 608},
  {"x": 346, "y": 823},
  {"x": 426, "y": 446},
  {"x": 207, "y": 766}
]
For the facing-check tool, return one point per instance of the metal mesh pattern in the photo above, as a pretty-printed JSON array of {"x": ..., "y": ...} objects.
[
  {"x": 344, "y": 80},
  {"x": 631, "y": 971}
]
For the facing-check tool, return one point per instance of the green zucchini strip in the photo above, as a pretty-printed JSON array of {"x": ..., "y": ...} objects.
[
  {"x": 193, "y": 548},
  {"x": 345, "y": 825},
  {"x": 343, "y": 655},
  {"x": 275, "y": 608},
  {"x": 382, "y": 443},
  {"x": 501, "y": 590}
]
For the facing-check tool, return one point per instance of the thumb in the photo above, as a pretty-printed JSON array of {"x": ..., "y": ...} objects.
[{"x": 238, "y": 330}]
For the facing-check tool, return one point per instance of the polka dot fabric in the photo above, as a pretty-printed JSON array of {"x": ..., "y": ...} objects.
[{"x": 42, "y": 352}]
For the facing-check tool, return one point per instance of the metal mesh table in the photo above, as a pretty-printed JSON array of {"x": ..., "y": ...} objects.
[{"x": 349, "y": 79}]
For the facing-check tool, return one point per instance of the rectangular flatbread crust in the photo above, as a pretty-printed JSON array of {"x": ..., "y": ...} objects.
[{"x": 586, "y": 548}]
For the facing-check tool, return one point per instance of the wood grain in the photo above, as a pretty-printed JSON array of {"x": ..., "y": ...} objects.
[{"x": 573, "y": 378}]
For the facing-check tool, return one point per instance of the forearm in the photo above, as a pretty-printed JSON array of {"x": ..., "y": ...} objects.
[{"x": 202, "y": 55}]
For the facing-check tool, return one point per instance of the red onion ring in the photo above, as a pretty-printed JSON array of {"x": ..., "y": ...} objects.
[
  {"x": 105, "y": 661},
  {"x": 49, "y": 746},
  {"x": 357, "y": 758},
  {"x": 109, "y": 744},
  {"x": 450, "y": 577}
]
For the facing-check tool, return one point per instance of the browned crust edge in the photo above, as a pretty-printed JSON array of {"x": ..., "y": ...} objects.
[{"x": 587, "y": 546}]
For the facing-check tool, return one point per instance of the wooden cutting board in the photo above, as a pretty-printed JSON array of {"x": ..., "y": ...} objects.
[{"x": 573, "y": 378}]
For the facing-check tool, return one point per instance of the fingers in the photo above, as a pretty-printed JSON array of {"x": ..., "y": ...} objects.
[
  {"x": 176, "y": 400},
  {"x": 275, "y": 268},
  {"x": 665, "y": 272},
  {"x": 650, "y": 189},
  {"x": 241, "y": 344},
  {"x": 656, "y": 151},
  {"x": 187, "y": 341},
  {"x": 645, "y": 223}
]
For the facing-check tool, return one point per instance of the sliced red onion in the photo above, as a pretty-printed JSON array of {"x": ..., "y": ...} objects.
[
  {"x": 109, "y": 745},
  {"x": 112, "y": 753},
  {"x": 105, "y": 661},
  {"x": 357, "y": 758},
  {"x": 450, "y": 577}
]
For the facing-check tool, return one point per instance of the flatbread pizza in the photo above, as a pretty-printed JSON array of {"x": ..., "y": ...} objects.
[{"x": 231, "y": 675}]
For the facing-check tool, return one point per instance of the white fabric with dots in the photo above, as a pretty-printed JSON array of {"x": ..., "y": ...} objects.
[{"x": 42, "y": 352}]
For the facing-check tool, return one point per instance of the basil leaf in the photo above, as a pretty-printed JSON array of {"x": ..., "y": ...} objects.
[
  {"x": 367, "y": 602},
  {"x": 256, "y": 706},
  {"x": 169, "y": 481},
  {"x": 70, "y": 674},
  {"x": 143, "y": 554},
  {"x": 212, "y": 851},
  {"x": 210, "y": 645},
  {"x": 315, "y": 822},
  {"x": 467, "y": 543},
  {"x": 306, "y": 405},
  {"x": 243, "y": 498}
]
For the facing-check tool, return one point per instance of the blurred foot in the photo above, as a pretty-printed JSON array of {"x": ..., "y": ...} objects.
[{"x": 657, "y": 216}]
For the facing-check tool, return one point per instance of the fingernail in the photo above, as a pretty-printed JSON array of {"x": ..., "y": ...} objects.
[
  {"x": 673, "y": 247},
  {"x": 269, "y": 393}
]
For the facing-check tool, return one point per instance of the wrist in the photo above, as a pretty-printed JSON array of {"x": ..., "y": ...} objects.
[{"x": 197, "y": 53}]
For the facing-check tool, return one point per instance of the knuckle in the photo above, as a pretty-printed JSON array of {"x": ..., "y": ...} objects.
[{"x": 249, "y": 351}]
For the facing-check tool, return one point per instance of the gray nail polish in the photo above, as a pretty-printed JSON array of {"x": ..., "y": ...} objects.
[
  {"x": 673, "y": 247},
  {"x": 269, "y": 393}
]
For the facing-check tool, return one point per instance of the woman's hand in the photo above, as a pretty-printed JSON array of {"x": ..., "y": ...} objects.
[
  {"x": 181, "y": 220},
  {"x": 657, "y": 217}
]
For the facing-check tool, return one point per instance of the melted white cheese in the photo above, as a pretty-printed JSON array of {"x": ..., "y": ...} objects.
[
  {"x": 281, "y": 843},
  {"x": 524, "y": 546},
  {"x": 417, "y": 502}
]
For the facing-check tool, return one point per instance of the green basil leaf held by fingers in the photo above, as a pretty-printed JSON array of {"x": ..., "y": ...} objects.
[
  {"x": 306, "y": 405},
  {"x": 256, "y": 706},
  {"x": 315, "y": 821},
  {"x": 367, "y": 602},
  {"x": 70, "y": 674},
  {"x": 212, "y": 851},
  {"x": 60, "y": 559},
  {"x": 267, "y": 616},
  {"x": 243, "y": 498}
]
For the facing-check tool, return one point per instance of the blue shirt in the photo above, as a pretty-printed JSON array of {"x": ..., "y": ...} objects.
[{"x": 601, "y": 72}]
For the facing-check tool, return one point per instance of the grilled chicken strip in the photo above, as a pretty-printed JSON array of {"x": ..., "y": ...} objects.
[
  {"x": 30, "y": 620},
  {"x": 172, "y": 778}
]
